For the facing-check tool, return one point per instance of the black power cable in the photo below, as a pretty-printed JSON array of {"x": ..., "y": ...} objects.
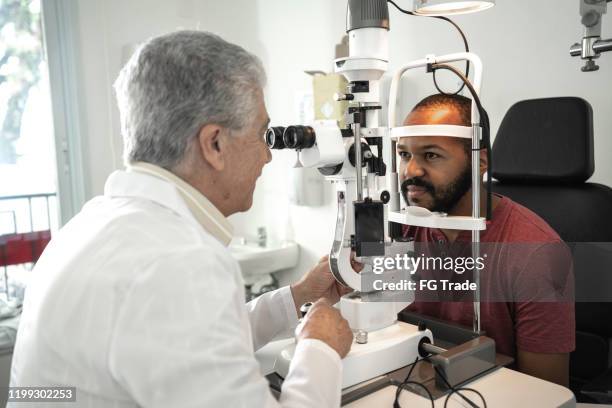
[
  {"x": 407, "y": 382},
  {"x": 484, "y": 124},
  {"x": 454, "y": 390},
  {"x": 465, "y": 43}
]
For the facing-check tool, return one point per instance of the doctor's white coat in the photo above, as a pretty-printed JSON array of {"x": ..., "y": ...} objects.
[{"x": 135, "y": 304}]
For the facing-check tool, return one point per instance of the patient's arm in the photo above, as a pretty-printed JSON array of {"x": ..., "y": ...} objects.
[
  {"x": 553, "y": 367},
  {"x": 545, "y": 330}
]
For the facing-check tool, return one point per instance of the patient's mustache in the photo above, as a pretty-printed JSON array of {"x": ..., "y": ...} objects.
[{"x": 417, "y": 181}]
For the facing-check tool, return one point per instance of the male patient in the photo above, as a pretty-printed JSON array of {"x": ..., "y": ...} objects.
[{"x": 435, "y": 173}]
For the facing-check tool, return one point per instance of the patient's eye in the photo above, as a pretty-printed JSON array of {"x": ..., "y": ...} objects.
[
  {"x": 431, "y": 156},
  {"x": 404, "y": 155}
]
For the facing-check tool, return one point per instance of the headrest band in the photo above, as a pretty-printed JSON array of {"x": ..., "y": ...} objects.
[{"x": 463, "y": 132}]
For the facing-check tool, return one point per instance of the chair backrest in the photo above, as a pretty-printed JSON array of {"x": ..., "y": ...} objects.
[{"x": 542, "y": 158}]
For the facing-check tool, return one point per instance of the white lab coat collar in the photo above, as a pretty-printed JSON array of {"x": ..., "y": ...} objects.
[{"x": 162, "y": 187}]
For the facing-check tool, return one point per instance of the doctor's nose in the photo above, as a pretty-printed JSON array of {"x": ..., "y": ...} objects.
[{"x": 268, "y": 155}]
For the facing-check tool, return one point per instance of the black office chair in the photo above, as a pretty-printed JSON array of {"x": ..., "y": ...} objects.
[{"x": 542, "y": 158}]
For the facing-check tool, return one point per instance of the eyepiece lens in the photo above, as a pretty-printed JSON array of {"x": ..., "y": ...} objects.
[
  {"x": 290, "y": 137},
  {"x": 299, "y": 137},
  {"x": 274, "y": 137}
]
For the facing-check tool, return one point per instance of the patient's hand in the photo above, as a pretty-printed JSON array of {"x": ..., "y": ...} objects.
[{"x": 318, "y": 283}]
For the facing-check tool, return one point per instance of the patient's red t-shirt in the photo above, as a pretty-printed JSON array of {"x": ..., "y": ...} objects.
[{"x": 523, "y": 323}]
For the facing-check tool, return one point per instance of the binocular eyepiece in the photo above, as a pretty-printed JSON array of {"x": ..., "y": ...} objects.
[{"x": 292, "y": 137}]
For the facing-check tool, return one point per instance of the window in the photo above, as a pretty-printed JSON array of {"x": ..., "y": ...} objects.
[{"x": 28, "y": 188}]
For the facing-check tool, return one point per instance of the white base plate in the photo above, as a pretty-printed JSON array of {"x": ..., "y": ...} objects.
[{"x": 387, "y": 349}]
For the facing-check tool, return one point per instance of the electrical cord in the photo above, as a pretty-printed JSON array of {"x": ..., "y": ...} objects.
[
  {"x": 454, "y": 390},
  {"x": 407, "y": 382},
  {"x": 484, "y": 124},
  {"x": 465, "y": 43}
]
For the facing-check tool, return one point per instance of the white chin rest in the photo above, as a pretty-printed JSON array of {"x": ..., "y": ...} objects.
[
  {"x": 463, "y": 132},
  {"x": 418, "y": 211}
]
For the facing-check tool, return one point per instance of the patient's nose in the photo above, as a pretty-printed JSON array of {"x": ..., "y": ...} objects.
[{"x": 413, "y": 169}]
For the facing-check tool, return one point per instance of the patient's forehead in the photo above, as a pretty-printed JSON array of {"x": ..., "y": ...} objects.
[
  {"x": 435, "y": 115},
  {"x": 439, "y": 115},
  {"x": 420, "y": 143}
]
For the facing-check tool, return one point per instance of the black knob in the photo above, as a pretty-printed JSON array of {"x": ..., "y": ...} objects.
[
  {"x": 385, "y": 197},
  {"x": 305, "y": 308},
  {"x": 365, "y": 148},
  {"x": 422, "y": 352},
  {"x": 343, "y": 97},
  {"x": 422, "y": 326}
]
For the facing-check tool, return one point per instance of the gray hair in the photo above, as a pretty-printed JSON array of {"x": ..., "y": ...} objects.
[{"x": 175, "y": 84}]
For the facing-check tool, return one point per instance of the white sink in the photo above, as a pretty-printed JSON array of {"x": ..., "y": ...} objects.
[{"x": 256, "y": 261}]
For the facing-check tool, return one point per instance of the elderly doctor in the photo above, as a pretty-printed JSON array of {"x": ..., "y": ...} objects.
[{"x": 137, "y": 302}]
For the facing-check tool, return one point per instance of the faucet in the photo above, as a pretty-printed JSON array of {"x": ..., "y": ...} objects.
[{"x": 262, "y": 237}]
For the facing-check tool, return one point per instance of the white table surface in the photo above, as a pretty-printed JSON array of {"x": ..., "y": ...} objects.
[{"x": 501, "y": 388}]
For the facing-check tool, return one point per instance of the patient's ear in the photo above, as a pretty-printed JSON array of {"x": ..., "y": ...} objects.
[
  {"x": 211, "y": 146},
  {"x": 484, "y": 162}
]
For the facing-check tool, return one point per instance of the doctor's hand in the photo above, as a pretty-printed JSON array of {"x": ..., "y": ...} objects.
[
  {"x": 323, "y": 322},
  {"x": 318, "y": 283}
]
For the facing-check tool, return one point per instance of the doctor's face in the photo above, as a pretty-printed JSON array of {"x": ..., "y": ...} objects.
[{"x": 249, "y": 154}]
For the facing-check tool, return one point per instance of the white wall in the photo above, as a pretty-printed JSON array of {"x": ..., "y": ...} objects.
[
  {"x": 523, "y": 43},
  {"x": 272, "y": 29},
  {"x": 111, "y": 28}
]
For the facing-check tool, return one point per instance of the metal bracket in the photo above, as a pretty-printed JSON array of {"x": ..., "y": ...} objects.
[{"x": 591, "y": 46}]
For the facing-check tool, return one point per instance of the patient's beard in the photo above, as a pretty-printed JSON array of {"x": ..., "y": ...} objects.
[{"x": 444, "y": 198}]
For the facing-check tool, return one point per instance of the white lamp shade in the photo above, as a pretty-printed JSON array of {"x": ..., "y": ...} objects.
[{"x": 450, "y": 7}]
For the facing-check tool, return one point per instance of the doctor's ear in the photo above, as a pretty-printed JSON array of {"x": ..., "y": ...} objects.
[{"x": 212, "y": 145}]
